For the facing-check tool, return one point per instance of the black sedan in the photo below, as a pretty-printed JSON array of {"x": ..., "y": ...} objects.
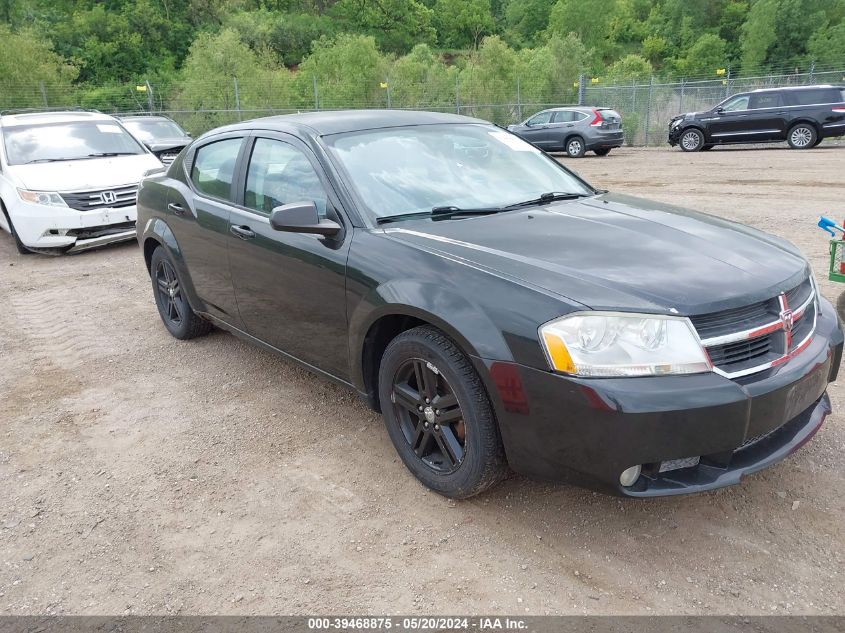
[{"x": 497, "y": 309}]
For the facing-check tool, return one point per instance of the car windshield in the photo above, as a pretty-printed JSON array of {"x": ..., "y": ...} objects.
[
  {"x": 407, "y": 170},
  {"x": 67, "y": 141},
  {"x": 154, "y": 129}
]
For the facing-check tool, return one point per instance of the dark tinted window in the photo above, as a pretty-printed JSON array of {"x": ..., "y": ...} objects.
[
  {"x": 564, "y": 116},
  {"x": 735, "y": 104},
  {"x": 280, "y": 174},
  {"x": 765, "y": 100},
  {"x": 214, "y": 167},
  {"x": 814, "y": 95}
]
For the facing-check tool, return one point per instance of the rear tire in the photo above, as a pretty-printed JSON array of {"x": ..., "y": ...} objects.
[
  {"x": 575, "y": 147},
  {"x": 438, "y": 414},
  {"x": 692, "y": 140},
  {"x": 172, "y": 303},
  {"x": 602, "y": 152},
  {"x": 802, "y": 136},
  {"x": 22, "y": 249}
]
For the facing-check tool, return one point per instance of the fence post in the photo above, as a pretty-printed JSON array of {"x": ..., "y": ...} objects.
[
  {"x": 457, "y": 94},
  {"x": 648, "y": 107},
  {"x": 812, "y": 70},
  {"x": 582, "y": 80},
  {"x": 43, "y": 89},
  {"x": 237, "y": 98},
  {"x": 518, "y": 102},
  {"x": 316, "y": 94},
  {"x": 387, "y": 88},
  {"x": 681, "y": 102},
  {"x": 728, "y": 83},
  {"x": 149, "y": 95}
]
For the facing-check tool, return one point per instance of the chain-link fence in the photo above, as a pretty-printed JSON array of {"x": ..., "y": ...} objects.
[{"x": 646, "y": 106}]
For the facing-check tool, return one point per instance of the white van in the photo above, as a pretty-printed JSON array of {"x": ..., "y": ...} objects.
[{"x": 69, "y": 180}]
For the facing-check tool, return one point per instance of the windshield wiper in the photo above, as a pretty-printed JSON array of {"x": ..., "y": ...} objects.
[
  {"x": 545, "y": 198},
  {"x": 102, "y": 154},
  {"x": 44, "y": 160},
  {"x": 440, "y": 213}
]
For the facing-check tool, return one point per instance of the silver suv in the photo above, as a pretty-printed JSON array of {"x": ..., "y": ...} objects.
[{"x": 575, "y": 130}]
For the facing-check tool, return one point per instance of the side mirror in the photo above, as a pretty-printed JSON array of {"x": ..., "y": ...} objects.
[
  {"x": 720, "y": 110},
  {"x": 302, "y": 217}
]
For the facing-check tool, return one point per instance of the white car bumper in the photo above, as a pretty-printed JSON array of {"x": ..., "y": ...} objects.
[{"x": 42, "y": 226}]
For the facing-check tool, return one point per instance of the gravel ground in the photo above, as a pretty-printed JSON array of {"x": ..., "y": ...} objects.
[{"x": 142, "y": 475}]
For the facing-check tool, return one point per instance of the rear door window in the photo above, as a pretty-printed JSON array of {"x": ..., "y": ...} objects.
[
  {"x": 564, "y": 116},
  {"x": 214, "y": 167},
  {"x": 765, "y": 100}
]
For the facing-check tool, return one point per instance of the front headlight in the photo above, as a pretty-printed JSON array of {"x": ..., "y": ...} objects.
[
  {"x": 47, "y": 198},
  {"x": 675, "y": 123},
  {"x": 605, "y": 344}
]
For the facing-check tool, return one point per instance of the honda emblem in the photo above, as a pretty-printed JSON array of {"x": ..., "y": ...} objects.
[{"x": 108, "y": 197}]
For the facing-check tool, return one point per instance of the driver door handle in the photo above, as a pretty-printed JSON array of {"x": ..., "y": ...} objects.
[
  {"x": 243, "y": 232},
  {"x": 177, "y": 209}
]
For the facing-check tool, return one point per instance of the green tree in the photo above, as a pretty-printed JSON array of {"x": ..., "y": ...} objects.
[
  {"x": 421, "y": 80},
  {"x": 547, "y": 74},
  {"x": 589, "y": 22},
  {"x": 348, "y": 71},
  {"x": 776, "y": 32},
  {"x": 704, "y": 57},
  {"x": 462, "y": 23},
  {"x": 526, "y": 20},
  {"x": 395, "y": 24},
  {"x": 827, "y": 45},
  {"x": 27, "y": 63},
  {"x": 630, "y": 67}
]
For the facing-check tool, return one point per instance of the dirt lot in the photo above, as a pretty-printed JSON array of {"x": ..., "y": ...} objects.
[{"x": 143, "y": 475}]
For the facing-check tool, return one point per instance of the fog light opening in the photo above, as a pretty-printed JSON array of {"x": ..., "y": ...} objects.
[{"x": 630, "y": 475}]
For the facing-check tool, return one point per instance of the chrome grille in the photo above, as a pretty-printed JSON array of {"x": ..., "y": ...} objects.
[
  {"x": 752, "y": 338},
  {"x": 117, "y": 197},
  {"x": 168, "y": 158}
]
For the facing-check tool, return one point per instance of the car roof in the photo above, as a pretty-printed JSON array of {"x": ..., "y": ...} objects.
[
  {"x": 37, "y": 118},
  {"x": 817, "y": 86},
  {"x": 341, "y": 121},
  {"x": 144, "y": 117}
]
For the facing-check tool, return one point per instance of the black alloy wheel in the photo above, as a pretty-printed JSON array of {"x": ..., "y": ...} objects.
[
  {"x": 173, "y": 307},
  {"x": 429, "y": 415},
  {"x": 438, "y": 414}
]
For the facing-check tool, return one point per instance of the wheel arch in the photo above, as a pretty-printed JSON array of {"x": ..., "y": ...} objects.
[
  {"x": 806, "y": 120},
  {"x": 372, "y": 328},
  {"x": 158, "y": 233}
]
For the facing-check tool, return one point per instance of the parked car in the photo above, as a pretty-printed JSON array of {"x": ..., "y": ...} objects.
[
  {"x": 573, "y": 130},
  {"x": 68, "y": 180},
  {"x": 497, "y": 309},
  {"x": 161, "y": 134},
  {"x": 802, "y": 116}
]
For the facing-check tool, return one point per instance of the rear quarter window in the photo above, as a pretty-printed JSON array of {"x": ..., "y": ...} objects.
[{"x": 814, "y": 96}]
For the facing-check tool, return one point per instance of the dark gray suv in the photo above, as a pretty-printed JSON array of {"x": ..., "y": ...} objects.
[{"x": 574, "y": 130}]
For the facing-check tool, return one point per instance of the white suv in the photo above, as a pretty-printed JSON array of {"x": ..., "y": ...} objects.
[{"x": 69, "y": 180}]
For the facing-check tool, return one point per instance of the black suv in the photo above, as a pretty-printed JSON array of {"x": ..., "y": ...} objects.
[{"x": 801, "y": 116}]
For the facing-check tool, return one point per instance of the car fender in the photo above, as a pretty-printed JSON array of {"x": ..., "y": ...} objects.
[
  {"x": 157, "y": 230},
  {"x": 467, "y": 324}
]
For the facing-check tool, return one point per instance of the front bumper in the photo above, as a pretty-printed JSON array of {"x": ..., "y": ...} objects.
[
  {"x": 587, "y": 431},
  {"x": 41, "y": 226},
  {"x": 674, "y": 135}
]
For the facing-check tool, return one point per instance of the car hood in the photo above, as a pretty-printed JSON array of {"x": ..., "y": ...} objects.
[
  {"x": 163, "y": 144},
  {"x": 81, "y": 175},
  {"x": 620, "y": 252}
]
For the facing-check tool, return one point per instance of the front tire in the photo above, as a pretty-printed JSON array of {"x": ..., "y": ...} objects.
[
  {"x": 438, "y": 414},
  {"x": 692, "y": 140},
  {"x": 172, "y": 303},
  {"x": 575, "y": 147},
  {"x": 802, "y": 136}
]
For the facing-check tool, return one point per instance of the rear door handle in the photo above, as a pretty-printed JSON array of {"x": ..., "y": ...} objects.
[
  {"x": 178, "y": 209},
  {"x": 243, "y": 232}
]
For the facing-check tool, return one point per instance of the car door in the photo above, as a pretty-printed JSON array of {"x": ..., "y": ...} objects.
[
  {"x": 290, "y": 287},
  {"x": 766, "y": 116},
  {"x": 537, "y": 130},
  {"x": 728, "y": 122},
  {"x": 198, "y": 216}
]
